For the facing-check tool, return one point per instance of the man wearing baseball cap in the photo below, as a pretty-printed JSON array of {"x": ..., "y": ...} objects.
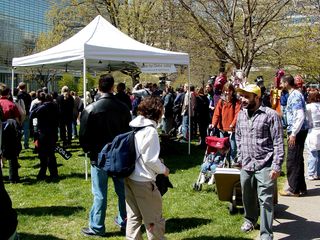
[{"x": 259, "y": 138}]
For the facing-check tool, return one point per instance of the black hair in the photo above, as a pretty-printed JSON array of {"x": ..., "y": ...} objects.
[
  {"x": 121, "y": 87},
  {"x": 106, "y": 82},
  {"x": 289, "y": 79}
]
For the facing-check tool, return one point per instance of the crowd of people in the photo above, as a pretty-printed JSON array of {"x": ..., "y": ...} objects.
[
  {"x": 41, "y": 115},
  {"x": 254, "y": 119}
]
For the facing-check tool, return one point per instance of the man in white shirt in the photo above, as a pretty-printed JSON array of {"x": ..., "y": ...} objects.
[{"x": 297, "y": 133}]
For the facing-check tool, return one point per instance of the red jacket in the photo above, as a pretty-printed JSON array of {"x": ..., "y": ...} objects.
[
  {"x": 10, "y": 110},
  {"x": 225, "y": 115}
]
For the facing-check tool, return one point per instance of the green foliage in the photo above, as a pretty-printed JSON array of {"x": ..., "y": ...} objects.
[
  {"x": 58, "y": 210},
  {"x": 92, "y": 82},
  {"x": 68, "y": 80},
  {"x": 232, "y": 34}
]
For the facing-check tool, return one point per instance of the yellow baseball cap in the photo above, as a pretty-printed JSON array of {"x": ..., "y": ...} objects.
[{"x": 250, "y": 88}]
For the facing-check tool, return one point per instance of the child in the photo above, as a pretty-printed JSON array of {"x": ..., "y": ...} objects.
[{"x": 211, "y": 162}]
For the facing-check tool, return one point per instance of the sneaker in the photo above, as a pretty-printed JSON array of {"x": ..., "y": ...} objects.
[
  {"x": 122, "y": 225},
  {"x": 90, "y": 232},
  {"x": 247, "y": 227},
  {"x": 211, "y": 181},
  {"x": 312, "y": 178},
  {"x": 202, "y": 178}
]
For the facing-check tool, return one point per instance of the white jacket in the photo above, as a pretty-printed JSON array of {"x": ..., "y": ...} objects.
[
  {"x": 313, "y": 117},
  {"x": 147, "y": 144}
]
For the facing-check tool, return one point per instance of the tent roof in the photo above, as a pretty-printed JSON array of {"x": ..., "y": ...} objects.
[{"x": 104, "y": 47}]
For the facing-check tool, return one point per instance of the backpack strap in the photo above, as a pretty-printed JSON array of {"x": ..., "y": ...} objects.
[{"x": 136, "y": 129}]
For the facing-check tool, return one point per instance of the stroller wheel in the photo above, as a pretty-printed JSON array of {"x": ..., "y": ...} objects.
[
  {"x": 197, "y": 187},
  {"x": 232, "y": 208}
]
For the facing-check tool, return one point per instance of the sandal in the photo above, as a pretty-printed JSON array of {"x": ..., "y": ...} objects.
[{"x": 288, "y": 194}]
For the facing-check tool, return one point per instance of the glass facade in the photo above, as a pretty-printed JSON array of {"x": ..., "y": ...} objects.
[{"x": 21, "y": 22}]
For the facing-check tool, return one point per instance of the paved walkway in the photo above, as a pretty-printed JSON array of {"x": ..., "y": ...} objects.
[{"x": 299, "y": 217}]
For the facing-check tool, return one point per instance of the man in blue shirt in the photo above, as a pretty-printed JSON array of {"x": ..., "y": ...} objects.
[{"x": 297, "y": 133}]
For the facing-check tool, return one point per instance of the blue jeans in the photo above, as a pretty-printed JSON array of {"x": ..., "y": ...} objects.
[
  {"x": 256, "y": 186},
  {"x": 167, "y": 124},
  {"x": 99, "y": 179},
  {"x": 208, "y": 166},
  {"x": 284, "y": 115},
  {"x": 233, "y": 146},
  {"x": 74, "y": 128},
  {"x": 314, "y": 163},
  {"x": 26, "y": 132}
]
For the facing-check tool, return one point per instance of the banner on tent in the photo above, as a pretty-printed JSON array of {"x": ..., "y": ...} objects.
[{"x": 157, "y": 68}]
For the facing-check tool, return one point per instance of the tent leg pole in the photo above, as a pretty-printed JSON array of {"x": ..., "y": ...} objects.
[
  {"x": 85, "y": 104},
  {"x": 189, "y": 137}
]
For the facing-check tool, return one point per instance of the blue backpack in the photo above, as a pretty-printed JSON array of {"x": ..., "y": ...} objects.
[{"x": 118, "y": 158}]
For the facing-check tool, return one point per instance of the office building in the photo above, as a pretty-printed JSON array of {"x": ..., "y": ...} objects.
[{"x": 21, "y": 22}]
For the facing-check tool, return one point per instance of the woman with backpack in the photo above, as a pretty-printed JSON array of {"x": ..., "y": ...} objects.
[
  {"x": 225, "y": 117},
  {"x": 143, "y": 199}
]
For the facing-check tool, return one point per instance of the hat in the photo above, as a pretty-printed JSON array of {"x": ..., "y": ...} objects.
[{"x": 250, "y": 88}]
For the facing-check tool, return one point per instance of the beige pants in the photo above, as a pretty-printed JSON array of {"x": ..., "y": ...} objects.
[{"x": 143, "y": 202}]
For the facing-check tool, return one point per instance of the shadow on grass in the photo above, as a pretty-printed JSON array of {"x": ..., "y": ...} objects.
[
  {"x": 50, "y": 210},
  {"x": 181, "y": 224},
  {"x": 28, "y": 157},
  {"x": 34, "y": 180},
  {"x": 177, "y": 158},
  {"x": 73, "y": 175},
  {"x": 115, "y": 234},
  {"x": 28, "y": 236},
  {"x": 211, "y": 238},
  {"x": 38, "y": 165}
]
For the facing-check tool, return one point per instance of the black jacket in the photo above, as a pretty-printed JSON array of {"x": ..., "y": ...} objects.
[
  {"x": 100, "y": 122},
  {"x": 123, "y": 97},
  {"x": 46, "y": 113},
  {"x": 26, "y": 99},
  {"x": 8, "y": 216},
  {"x": 65, "y": 107}
]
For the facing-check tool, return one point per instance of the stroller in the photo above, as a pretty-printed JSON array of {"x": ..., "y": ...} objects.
[{"x": 215, "y": 157}]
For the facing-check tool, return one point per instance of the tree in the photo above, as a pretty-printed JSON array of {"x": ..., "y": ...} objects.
[
  {"x": 147, "y": 21},
  {"x": 41, "y": 75},
  {"x": 68, "y": 80},
  {"x": 238, "y": 30}
]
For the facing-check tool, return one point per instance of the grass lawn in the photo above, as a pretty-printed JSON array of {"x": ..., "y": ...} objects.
[{"x": 58, "y": 210}]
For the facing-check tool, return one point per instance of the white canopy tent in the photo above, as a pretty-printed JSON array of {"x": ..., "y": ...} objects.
[{"x": 100, "y": 46}]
